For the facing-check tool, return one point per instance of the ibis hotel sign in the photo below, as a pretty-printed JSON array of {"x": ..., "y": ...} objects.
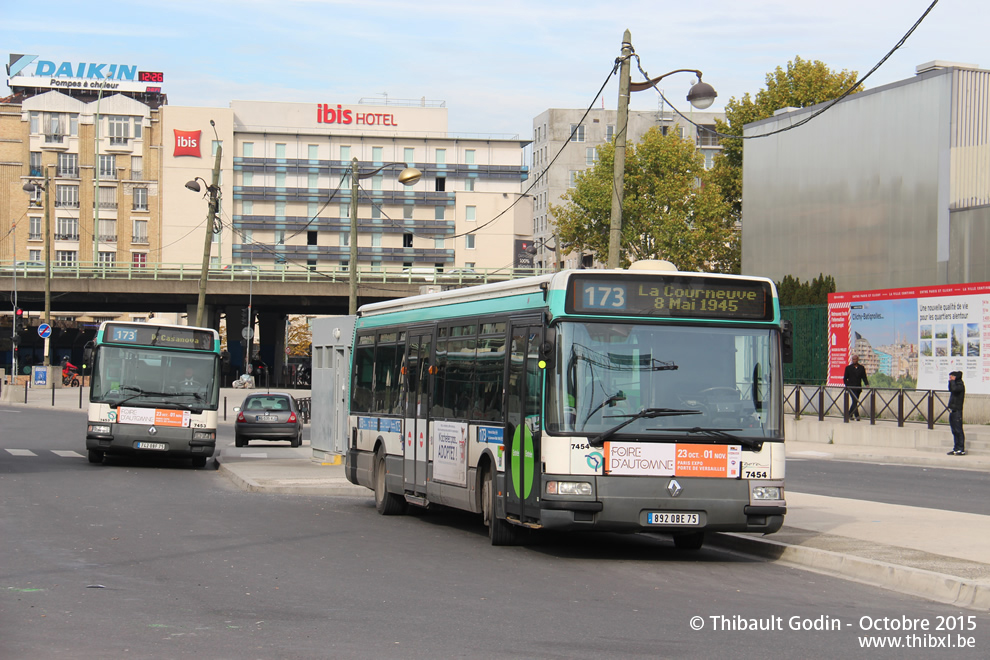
[
  {"x": 338, "y": 114},
  {"x": 29, "y": 71}
]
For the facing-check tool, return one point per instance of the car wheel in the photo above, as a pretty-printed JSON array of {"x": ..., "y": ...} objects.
[
  {"x": 239, "y": 441},
  {"x": 388, "y": 504},
  {"x": 297, "y": 441},
  {"x": 95, "y": 456}
]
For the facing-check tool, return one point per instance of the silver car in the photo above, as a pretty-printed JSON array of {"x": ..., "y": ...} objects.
[{"x": 270, "y": 416}]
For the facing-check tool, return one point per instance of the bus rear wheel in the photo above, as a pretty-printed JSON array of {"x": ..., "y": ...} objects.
[
  {"x": 95, "y": 456},
  {"x": 500, "y": 532},
  {"x": 692, "y": 541},
  {"x": 199, "y": 461},
  {"x": 388, "y": 504}
]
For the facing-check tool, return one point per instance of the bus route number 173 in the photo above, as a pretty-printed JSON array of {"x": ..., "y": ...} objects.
[{"x": 597, "y": 296}]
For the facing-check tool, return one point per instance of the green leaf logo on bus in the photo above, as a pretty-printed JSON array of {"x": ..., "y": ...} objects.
[{"x": 522, "y": 442}]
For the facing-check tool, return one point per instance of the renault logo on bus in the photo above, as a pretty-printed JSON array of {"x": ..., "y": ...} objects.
[{"x": 674, "y": 488}]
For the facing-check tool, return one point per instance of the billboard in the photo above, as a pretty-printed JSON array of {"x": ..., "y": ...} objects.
[{"x": 913, "y": 337}]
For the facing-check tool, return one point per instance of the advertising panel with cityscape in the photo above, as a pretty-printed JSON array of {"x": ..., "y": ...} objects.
[{"x": 913, "y": 337}]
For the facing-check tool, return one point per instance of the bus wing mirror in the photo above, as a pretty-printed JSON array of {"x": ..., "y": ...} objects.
[
  {"x": 548, "y": 352},
  {"x": 787, "y": 341}
]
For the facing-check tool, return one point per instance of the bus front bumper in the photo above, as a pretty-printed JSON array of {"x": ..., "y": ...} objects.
[{"x": 136, "y": 439}]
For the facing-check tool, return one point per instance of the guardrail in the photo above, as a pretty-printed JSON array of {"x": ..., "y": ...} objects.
[
  {"x": 878, "y": 403},
  {"x": 244, "y": 272}
]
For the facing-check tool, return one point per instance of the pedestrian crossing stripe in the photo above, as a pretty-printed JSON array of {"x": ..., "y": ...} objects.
[
  {"x": 21, "y": 452},
  {"x": 64, "y": 453}
]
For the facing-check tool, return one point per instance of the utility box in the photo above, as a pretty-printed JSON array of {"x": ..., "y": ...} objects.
[{"x": 333, "y": 341}]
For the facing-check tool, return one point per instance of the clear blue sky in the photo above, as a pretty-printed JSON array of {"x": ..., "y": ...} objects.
[{"x": 496, "y": 64}]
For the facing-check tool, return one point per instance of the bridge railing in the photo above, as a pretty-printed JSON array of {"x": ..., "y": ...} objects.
[{"x": 244, "y": 272}]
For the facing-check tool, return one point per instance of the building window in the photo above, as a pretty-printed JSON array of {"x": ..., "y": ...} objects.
[
  {"x": 345, "y": 152},
  {"x": 247, "y": 207},
  {"x": 35, "y": 163},
  {"x": 591, "y": 156},
  {"x": 577, "y": 132},
  {"x": 279, "y": 237},
  {"x": 376, "y": 181},
  {"x": 469, "y": 184},
  {"x": 66, "y": 197},
  {"x": 609, "y": 132},
  {"x": 67, "y": 229},
  {"x": 279, "y": 209},
  {"x": 345, "y": 210},
  {"x": 280, "y": 179},
  {"x": 247, "y": 149},
  {"x": 137, "y": 168},
  {"x": 34, "y": 229},
  {"x": 441, "y": 156},
  {"x": 247, "y": 178},
  {"x": 140, "y": 234},
  {"x": 407, "y": 211},
  {"x": 709, "y": 155},
  {"x": 313, "y": 151},
  {"x": 377, "y": 154},
  {"x": 376, "y": 239},
  {"x": 312, "y": 209},
  {"x": 469, "y": 241},
  {"x": 345, "y": 239},
  {"x": 108, "y": 197},
  {"x": 407, "y": 240},
  {"x": 572, "y": 178},
  {"x": 438, "y": 212},
  {"x": 139, "y": 259},
  {"x": 470, "y": 213},
  {"x": 313, "y": 180},
  {"x": 118, "y": 129},
  {"x": 408, "y": 154},
  {"x": 108, "y": 166},
  {"x": 376, "y": 212},
  {"x": 108, "y": 231},
  {"x": 441, "y": 184},
  {"x": 108, "y": 259},
  {"x": 279, "y": 150},
  {"x": 708, "y": 136},
  {"x": 140, "y": 199},
  {"x": 216, "y": 144},
  {"x": 311, "y": 237},
  {"x": 438, "y": 243},
  {"x": 68, "y": 166},
  {"x": 66, "y": 258},
  {"x": 469, "y": 156}
]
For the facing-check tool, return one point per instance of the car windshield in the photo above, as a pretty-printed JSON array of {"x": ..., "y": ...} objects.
[
  {"x": 267, "y": 403},
  {"x": 703, "y": 379},
  {"x": 137, "y": 376}
]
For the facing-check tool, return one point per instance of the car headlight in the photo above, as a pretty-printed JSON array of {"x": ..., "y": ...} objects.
[
  {"x": 568, "y": 488},
  {"x": 766, "y": 493},
  {"x": 204, "y": 435},
  {"x": 99, "y": 428}
]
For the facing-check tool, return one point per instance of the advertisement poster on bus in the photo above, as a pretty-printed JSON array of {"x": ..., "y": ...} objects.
[
  {"x": 913, "y": 337},
  {"x": 450, "y": 452}
]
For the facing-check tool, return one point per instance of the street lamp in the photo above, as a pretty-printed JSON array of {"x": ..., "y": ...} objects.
[
  {"x": 407, "y": 177},
  {"x": 701, "y": 96},
  {"x": 213, "y": 192},
  {"x": 33, "y": 187}
]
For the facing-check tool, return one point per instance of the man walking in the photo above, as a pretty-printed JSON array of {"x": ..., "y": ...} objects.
[
  {"x": 854, "y": 378},
  {"x": 957, "y": 393}
]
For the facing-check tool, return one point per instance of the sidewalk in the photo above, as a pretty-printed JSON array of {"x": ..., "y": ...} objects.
[{"x": 929, "y": 553}]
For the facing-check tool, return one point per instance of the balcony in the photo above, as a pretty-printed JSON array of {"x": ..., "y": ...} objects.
[
  {"x": 139, "y": 240},
  {"x": 67, "y": 237},
  {"x": 67, "y": 172},
  {"x": 66, "y": 203},
  {"x": 119, "y": 141},
  {"x": 34, "y": 237},
  {"x": 108, "y": 238},
  {"x": 108, "y": 204},
  {"x": 54, "y": 138},
  {"x": 137, "y": 175}
]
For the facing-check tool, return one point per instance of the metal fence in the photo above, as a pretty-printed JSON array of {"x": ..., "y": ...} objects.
[
  {"x": 903, "y": 406},
  {"x": 810, "y": 365}
]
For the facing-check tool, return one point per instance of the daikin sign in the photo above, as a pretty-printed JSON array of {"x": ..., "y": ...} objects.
[{"x": 29, "y": 71}]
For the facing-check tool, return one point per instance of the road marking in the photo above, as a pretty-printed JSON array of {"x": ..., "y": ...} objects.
[
  {"x": 255, "y": 455},
  {"x": 67, "y": 453},
  {"x": 21, "y": 452}
]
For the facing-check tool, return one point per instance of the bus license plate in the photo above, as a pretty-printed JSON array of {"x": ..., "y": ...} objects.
[
  {"x": 160, "y": 446},
  {"x": 687, "y": 519},
  {"x": 266, "y": 418}
]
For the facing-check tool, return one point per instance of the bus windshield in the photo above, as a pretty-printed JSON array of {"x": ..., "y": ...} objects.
[
  {"x": 707, "y": 379},
  {"x": 143, "y": 377}
]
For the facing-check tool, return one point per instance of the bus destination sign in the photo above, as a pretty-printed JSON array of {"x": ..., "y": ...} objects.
[
  {"x": 162, "y": 337},
  {"x": 670, "y": 296}
]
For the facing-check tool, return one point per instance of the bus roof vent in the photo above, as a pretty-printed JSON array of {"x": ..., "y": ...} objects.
[{"x": 652, "y": 264}]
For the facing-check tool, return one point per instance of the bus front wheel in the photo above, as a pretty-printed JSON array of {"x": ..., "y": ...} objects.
[
  {"x": 388, "y": 504},
  {"x": 500, "y": 532},
  {"x": 692, "y": 541},
  {"x": 95, "y": 456}
]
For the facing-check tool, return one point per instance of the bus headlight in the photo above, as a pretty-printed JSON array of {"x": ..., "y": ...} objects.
[
  {"x": 99, "y": 428},
  {"x": 204, "y": 435},
  {"x": 568, "y": 488},
  {"x": 766, "y": 493}
]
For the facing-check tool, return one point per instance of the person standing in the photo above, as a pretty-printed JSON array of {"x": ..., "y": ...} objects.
[
  {"x": 957, "y": 394},
  {"x": 854, "y": 378}
]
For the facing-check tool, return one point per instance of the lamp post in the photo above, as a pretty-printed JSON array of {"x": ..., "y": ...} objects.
[
  {"x": 407, "y": 177},
  {"x": 33, "y": 187},
  {"x": 213, "y": 192},
  {"x": 701, "y": 95}
]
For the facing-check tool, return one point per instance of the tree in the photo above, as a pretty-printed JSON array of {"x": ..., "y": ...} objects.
[
  {"x": 814, "y": 292},
  {"x": 804, "y": 83},
  {"x": 299, "y": 336},
  {"x": 670, "y": 209}
]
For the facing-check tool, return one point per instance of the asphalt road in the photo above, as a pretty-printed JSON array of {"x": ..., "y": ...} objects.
[{"x": 149, "y": 560}]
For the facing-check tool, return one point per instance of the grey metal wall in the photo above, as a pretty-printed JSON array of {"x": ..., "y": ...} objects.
[{"x": 860, "y": 192}]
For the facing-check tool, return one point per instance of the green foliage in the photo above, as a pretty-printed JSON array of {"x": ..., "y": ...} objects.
[
  {"x": 814, "y": 292},
  {"x": 884, "y": 381},
  {"x": 671, "y": 208},
  {"x": 804, "y": 83}
]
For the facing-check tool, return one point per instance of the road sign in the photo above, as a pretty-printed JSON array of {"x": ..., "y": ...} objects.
[
  {"x": 247, "y": 333},
  {"x": 44, "y": 330}
]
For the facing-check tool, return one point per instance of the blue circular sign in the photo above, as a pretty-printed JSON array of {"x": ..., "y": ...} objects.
[{"x": 44, "y": 331}]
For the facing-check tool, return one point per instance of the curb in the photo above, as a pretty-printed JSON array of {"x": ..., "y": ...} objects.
[
  {"x": 304, "y": 486},
  {"x": 971, "y": 594}
]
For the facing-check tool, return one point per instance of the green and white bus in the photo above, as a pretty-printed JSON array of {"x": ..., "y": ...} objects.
[
  {"x": 155, "y": 390},
  {"x": 640, "y": 400}
]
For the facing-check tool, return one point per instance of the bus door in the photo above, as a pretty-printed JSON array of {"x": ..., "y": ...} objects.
[
  {"x": 524, "y": 420},
  {"x": 416, "y": 448}
]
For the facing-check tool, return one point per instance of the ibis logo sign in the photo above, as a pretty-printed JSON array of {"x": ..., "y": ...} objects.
[{"x": 187, "y": 143}]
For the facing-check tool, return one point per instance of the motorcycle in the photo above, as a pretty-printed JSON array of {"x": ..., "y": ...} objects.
[{"x": 70, "y": 374}]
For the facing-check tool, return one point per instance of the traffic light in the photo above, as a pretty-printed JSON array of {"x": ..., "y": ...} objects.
[
  {"x": 19, "y": 313},
  {"x": 244, "y": 316}
]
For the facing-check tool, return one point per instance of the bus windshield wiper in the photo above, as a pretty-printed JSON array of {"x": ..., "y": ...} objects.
[
  {"x": 609, "y": 401},
  {"x": 138, "y": 393},
  {"x": 645, "y": 413},
  {"x": 721, "y": 434}
]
